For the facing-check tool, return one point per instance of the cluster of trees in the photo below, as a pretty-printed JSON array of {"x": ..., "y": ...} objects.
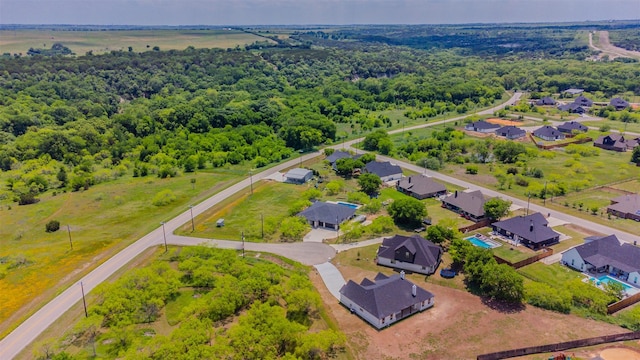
[{"x": 274, "y": 307}]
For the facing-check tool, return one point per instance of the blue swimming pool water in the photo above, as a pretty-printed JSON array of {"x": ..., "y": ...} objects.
[
  {"x": 353, "y": 206},
  {"x": 608, "y": 279},
  {"x": 479, "y": 243}
]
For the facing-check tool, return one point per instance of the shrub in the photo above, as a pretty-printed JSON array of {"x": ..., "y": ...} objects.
[
  {"x": 521, "y": 180},
  {"x": 544, "y": 296},
  {"x": 512, "y": 171},
  {"x": 52, "y": 226},
  {"x": 164, "y": 197},
  {"x": 472, "y": 169},
  {"x": 430, "y": 163}
]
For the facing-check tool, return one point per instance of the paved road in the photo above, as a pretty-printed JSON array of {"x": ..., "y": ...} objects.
[
  {"x": 331, "y": 277},
  {"x": 26, "y": 332}
]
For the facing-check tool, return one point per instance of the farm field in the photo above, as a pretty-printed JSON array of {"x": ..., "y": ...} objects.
[
  {"x": 81, "y": 42},
  {"x": 102, "y": 220}
]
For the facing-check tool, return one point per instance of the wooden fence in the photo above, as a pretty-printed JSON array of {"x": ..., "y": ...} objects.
[
  {"x": 560, "y": 346},
  {"x": 478, "y": 225},
  {"x": 517, "y": 265},
  {"x": 617, "y": 306},
  {"x": 553, "y": 146}
]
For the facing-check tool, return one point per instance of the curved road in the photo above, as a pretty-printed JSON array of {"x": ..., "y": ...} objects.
[{"x": 306, "y": 253}]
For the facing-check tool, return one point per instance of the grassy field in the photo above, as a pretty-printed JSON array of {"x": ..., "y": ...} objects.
[
  {"x": 102, "y": 220},
  {"x": 633, "y": 186},
  {"x": 555, "y": 275},
  {"x": 80, "y": 42},
  {"x": 615, "y": 125}
]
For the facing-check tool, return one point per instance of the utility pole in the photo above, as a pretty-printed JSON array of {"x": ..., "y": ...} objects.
[
  {"x": 544, "y": 198},
  {"x": 528, "y": 200},
  {"x": 262, "y": 222},
  {"x": 193, "y": 225},
  {"x": 84, "y": 301},
  {"x": 164, "y": 235},
  {"x": 251, "y": 179},
  {"x": 69, "y": 232},
  {"x": 243, "y": 243}
]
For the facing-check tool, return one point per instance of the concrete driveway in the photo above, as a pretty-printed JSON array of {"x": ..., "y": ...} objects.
[
  {"x": 331, "y": 277},
  {"x": 319, "y": 234}
]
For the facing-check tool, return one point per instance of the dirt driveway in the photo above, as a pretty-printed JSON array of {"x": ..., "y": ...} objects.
[{"x": 459, "y": 326}]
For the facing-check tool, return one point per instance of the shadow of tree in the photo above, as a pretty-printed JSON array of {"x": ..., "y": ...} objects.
[{"x": 503, "y": 306}]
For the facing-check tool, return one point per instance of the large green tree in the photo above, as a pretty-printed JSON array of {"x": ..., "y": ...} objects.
[
  {"x": 408, "y": 211},
  {"x": 369, "y": 183},
  {"x": 496, "y": 208}
]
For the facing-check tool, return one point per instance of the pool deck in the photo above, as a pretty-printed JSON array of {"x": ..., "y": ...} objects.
[
  {"x": 492, "y": 243},
  {"x": 632, "y": 290}
]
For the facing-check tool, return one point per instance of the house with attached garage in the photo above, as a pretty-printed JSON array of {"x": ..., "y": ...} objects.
[
  {"x": 470, "y": 204},
  {"x": 625, "y": 206},
  {"x": 412, "y": 253},
  {"x": 328, "y": 215},
  {"x": 531, "y": 231},
  {"x": 570, "y": 126},
  {"x": 572, "y": 108},
  {"x": 583, "y": 101},
  {"x": 385, "y": 170},
  {"x": 385, "y": 300},
  {"x": 548, "y": 133},
  {"x": 482, "y": 127},
  {"x": 616, "y": 142},
  {"x": 511, "y": 132},
  {"x": 605, "y": 255},
  {"x": 420, "y": 187}
]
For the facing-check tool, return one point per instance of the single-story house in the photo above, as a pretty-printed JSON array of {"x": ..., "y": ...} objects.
[
  {"x": 572, "y": 108},
  {"x": 482, "y": 126},
  {"x": 412, "y": 253},
  {"x": 573, "y": 91},
  {"x": 511, "y": 132},
  {"x": 619, "y": 103},
  {"x": 570, "y": 126},
  {"x": 583, "y": 101},
  {"x": 625, "y": 206},
  {"x": 548, "y": 133},
  {"x": 547, "y": 100},
  {"x": 385, "y": 170},
  {"x": 468, "y": 204},
  {"x": 616, "y": 142},
  {"x": 532, "y": 231},
  {"x": 337, "y": 155},
  {"x": 421, "y": 187},
  {"x": 298, "y": 175},
  {"x": 385, "y": 300},
  {"x": 606, "y": 255},
  {"x": 328, "y": 215}
]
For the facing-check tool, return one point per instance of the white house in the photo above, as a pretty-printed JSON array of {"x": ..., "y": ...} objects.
[
  {"x": 385, "y": 170},
  {"x": 412, "y": 253},
  {"x": 385, "y": 300}
]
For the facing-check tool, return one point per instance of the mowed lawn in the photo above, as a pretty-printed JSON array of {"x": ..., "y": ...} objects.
[
  {"x": 103, "y": 220},
  {"x": 80, "y": 42}
]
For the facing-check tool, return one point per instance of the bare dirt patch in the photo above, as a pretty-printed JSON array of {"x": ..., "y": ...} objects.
[
  {"x": 581, "y": 230},
  {"x": 503, "y": 122},
  {"x": 620, "y": 354},
  {"x": 459, "y": 326}
]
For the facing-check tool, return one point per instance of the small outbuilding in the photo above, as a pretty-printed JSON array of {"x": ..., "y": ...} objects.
[{"x": 298, "y": 176}]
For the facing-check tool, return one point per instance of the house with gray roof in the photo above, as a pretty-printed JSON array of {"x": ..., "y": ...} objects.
[
  {"x": 385, "y": 170},
  {"x": 547, "y": 100},
  {"x": 411, "y": 253},
  {"x": 385, "y": 300},
  {"x": 570, "y": 126},
  {"x": 482, "y": 127},
  {"x": 606, "y": 255},
  {"x": 572, "y": 108},
  {"x": 420, "y": 187},
  {"x": 511, "y": 132},
  {"x": 583, "y": 101},
  {"x": 548, "y": 133},
  {"x": 336, "y": 155},
  {"x": 298, "y": 176},
  {"x": 573, "y": 91},
  {"x": 328, "y": 215},
  {"x": 619, "y": 103},
  {"x": 532, "y": 231},
  {"x": 625, "y": 206},
  {"x": 616, "y": 142},
  {"x": 470, "y": 205}
]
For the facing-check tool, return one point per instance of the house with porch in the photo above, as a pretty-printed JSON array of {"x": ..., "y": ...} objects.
[
  {"x": 469, "y": 204},
  {"x": 511, "y": 132},
  {"x": 385, "y": 170},
  {"x": 619, "y": 103},
  {"x": 548, "y": 133},
  {"x": 583, "y": 101},
  {"x": 385, "y": 299},
  {"x": 531, "y": 231},
  {"x": 570, "y": 126},
  {"x": 605, "y": 255},
  {"x": 482, "y": 127},
  {"x": 411, "y": 253},
  {"x": 420, "y": 187},
  {"x": 616, "y": 142},
  {"x": 625, "y": 207},
  {"x": 327, "y": 215}
]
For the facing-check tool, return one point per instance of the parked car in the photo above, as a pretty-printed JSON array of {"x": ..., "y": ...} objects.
[
  {"x": 420, "y": 229},
  {"x": 426, "y": 221}
]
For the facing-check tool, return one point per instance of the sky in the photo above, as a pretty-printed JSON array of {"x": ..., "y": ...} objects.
[{"x": 304, "y": 12}]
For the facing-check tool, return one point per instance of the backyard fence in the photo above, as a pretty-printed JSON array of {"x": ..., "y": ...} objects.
[
  {"x": 478, "y": 225},
  {"x": 619, "y": 305},
  {"x": 553, "y": 146},
  {"x": 517, "y": 265},
  {"x": 560, "y": 346}
]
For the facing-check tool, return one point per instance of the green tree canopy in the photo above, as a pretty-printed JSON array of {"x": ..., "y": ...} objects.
[
  {"x": 407, "y": 210},
  {"x": 496, "y": 208},
  {"x": 369, "y": 183}
]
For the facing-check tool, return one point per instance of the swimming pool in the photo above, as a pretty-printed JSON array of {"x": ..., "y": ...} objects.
[
  {"x": 608, "y": 279},
  {"x": 485, "y": 244},
  {"x": 353, "y": 206}
]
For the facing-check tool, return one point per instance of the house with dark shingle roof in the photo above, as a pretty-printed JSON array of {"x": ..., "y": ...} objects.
[
  {"x": 482, "y": 126},
  {"x": 547, "y": 100},
  {"x": 385, "y": 170},
  {"x": 570, "y": 126},
  {"x": 420, "y": 187},
  {"x": 616, "y": 142},
  {"x": 619, "y": 103},
  {"x": 412, "y": 253},
  {"x": 532, "y": 231},
  {"x": 583, "y": 101},
  {"x": 606, "y": 255},
  {"x": 328, "y": 215},
  {"x": 548, "y": 133},
  {"x": 385, "y": 300},
  {"x": 511, "y": 132},
  {"x": 625, "y": 206},
  {"x": 572, "y": 108},
  {"x": 470, "y": 205},
  {"x": 337, "y": 155}
]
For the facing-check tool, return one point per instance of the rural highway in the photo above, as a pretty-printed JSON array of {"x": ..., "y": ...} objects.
[{"x": 307, "y": 253}]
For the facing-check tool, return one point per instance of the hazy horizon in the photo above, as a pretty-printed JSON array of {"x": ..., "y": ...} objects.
[{"x": 310, "y": 12}]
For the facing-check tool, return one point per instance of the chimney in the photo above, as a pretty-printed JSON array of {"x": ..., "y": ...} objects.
[
  {"x": 414, "y": 291},
  {"x": 531, "y": 226},
  {"x": 456, "y": 195},
  {"x": 402, "y": 274},
  {"x": 409, "y": 179}
]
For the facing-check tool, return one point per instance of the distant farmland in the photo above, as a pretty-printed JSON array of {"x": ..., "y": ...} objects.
[{"x": 80, "y": 42}]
